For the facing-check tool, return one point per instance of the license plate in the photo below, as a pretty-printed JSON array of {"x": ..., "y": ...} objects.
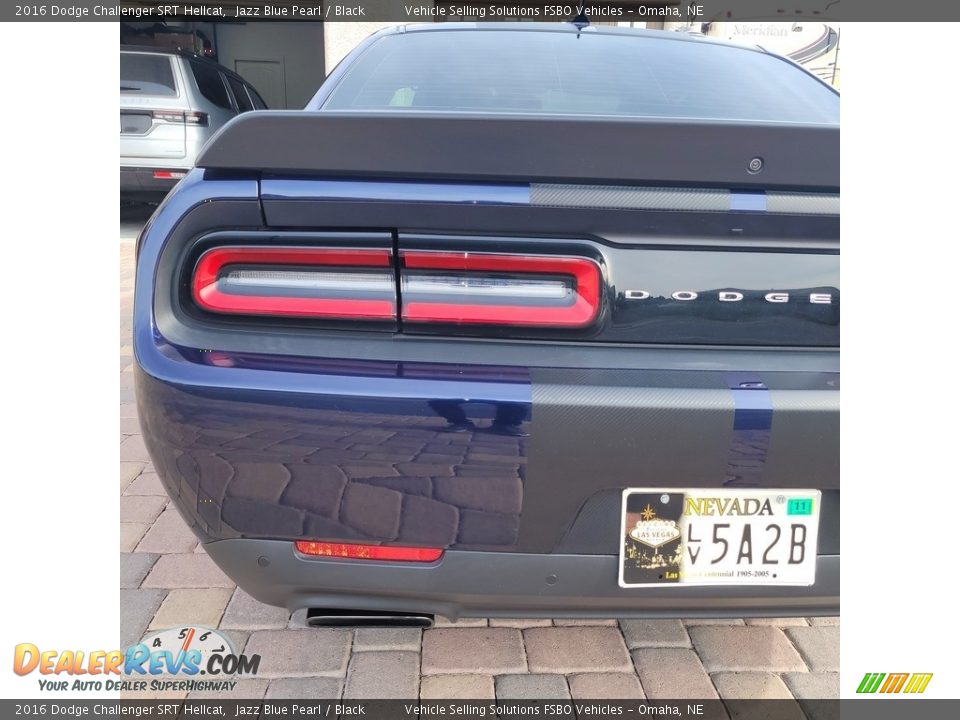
[{"x": 703, "y": 536}]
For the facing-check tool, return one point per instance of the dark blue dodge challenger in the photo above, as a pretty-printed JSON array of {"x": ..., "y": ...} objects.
[{"x": 512, "y": 320}]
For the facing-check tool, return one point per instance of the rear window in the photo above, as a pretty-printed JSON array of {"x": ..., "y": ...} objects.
[
  {"x": 590, "y": 74},
  {"x": 142, "y": 74},
  {"x": 210, "y": 84},
  {"x": 240, "y": 93}
]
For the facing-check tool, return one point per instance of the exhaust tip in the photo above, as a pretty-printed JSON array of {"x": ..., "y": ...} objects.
[{"x": 324, "y": 617}]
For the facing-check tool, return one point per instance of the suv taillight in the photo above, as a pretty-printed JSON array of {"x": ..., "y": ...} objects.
[
  {"x": 327, "y": 283},
  {"x": 178, "y": 116},
  {"x": 496, "y": 289}
]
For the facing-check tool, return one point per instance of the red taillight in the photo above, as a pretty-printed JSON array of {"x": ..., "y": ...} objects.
[
  {"x": 478, "y": 288},
  {"x": 325, "y": 283},
  {"x": 368, "y": 552},
  {"x": 169, "y": 174},
  {"x": 179, "y": 116}
]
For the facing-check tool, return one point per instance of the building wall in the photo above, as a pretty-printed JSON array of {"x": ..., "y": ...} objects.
[{"x": 283, "y": 60}]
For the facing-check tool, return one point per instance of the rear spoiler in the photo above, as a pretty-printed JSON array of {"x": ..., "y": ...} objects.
[{"x": 529, "y": 148}]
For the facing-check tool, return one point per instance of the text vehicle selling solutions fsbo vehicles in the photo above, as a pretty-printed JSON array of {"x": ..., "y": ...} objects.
[{"x": 512, "y": 320}]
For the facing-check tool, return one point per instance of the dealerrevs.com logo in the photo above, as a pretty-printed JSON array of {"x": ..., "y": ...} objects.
[
  {"x": 887, "y": 683},
  {"x": 179, "y": 659}
]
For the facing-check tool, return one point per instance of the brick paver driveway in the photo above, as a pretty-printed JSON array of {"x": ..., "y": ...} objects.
[{"x": 167, "y": 580}]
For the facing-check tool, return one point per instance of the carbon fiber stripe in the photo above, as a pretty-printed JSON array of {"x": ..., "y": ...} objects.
[
  {"x": 681, "y": 199},
  {"x": 629, "y": 198},
  {"x": 803, "y": 203}
]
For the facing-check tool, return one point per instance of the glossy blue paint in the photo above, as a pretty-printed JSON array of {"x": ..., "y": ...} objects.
[
  {"x": 752, "y": 424},
  {"x": 271, "y": 446},
  {"x": 395, "y": 191}
]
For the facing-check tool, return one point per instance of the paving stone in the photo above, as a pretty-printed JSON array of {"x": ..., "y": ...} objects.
[
  {"x": 691, "y": 622},
  {"x": 259, "y": 517},
  {"x": 191, "y": 606},
  {"x": 428, "y": 522},
  {"x": 298, "y": 620},
  {"x": 750, "y": 685},
  {"x": 568, "y": 622},
  {"x": 186, "y": 570},
  {"x": 424, "y": 470},
  {"x": 137, "y": 608},
  {"x": 493, "y": 494},
  {"x": 315, "y": 688},
  {"x": 576, "y": 649},
  {"x": 823, "y": 621},
  {"x": 130, "y": 535},
  {"x": 744, "y": 649},
  {"x": 654, "y": 633},
  {"x": 301, "y": 653},
  {"x": 442, "y": 622},
  {"x": 141, "y": 508},
  {"x": 389, "y": 675},
  {"x": 133, "y": 449},
  {"x": 252, "y": 689},
  {"x": 368, "y": 639},
  {"x": 169, "y": 534},
  {"x": 401, "y": 483},
  {"x": 532, "y": 687},
  {"x": 246, "y": 613},
  {"x": 456, "y": 687},
  {"x": 819, "y": 646},
  {"x": 813, "y": 686},
  {"x": 373, "y": 510},
  {"x": 259, "y": 481},
  {"x": 316, "y": 488},
  {"x": 128, "y": 472},
  {"x": 604, "y": 686},
  {"x": 146, "y": 484},
  {"x": 129, "y": 426},
  {"x": 520, "y": 622},
  {"x": 778, "y": 622},
  {"x": 669, "y": 673},
  {"x": 134, "y": 568},
  {"x": 491, "y": 651}
]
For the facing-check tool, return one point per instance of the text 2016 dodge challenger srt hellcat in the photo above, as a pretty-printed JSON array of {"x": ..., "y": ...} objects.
[{"x": 512, "y": 320}]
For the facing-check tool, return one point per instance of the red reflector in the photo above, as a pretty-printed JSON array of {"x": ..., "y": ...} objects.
[
  {"x": 477, "y": 288},
  {"x": 335, "y": 283},
  {"x": 368, "y": 552},
  {"x": 169, "y": 174}
]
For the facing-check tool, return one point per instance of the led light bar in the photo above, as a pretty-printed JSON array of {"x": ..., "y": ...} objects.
[
  {"x": 323, "y": 283},
  {"x": 368, "y": 552},
  {"x": 493, "y": 289}
]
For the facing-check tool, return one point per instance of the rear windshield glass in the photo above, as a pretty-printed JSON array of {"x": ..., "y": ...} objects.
[
  {"x": 142, "y": 74},
  {"x": 593, "y": 74},
  {"x": 210, "y": 83}
]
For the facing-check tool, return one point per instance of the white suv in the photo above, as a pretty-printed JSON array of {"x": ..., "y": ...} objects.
[{"x": 171, "y": 102}]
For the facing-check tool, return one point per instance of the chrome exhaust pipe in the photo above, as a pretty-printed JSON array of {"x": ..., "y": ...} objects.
[{"x": 323, "y": 617}]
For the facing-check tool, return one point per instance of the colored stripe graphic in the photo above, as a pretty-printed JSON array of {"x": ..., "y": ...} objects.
[
  {"x": 918, "y": 682},
  {"x": 895, "y": 682},
  {"x": 870, "y": 682},
  {"x": 752, "y": 423}
]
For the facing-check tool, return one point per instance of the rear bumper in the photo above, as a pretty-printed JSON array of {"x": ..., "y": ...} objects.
[
  {"x": 141, "y": 180},
  {"x": 484, "y": 584},
  {"x": 512, "y": 460}
]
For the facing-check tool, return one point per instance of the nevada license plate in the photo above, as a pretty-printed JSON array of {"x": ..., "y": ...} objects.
[{"x": 703, "y": 536}]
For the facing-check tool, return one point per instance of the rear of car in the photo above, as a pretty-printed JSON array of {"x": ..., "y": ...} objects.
[
  {"x": 521, "y": 321},
  {"x": 171, "y": 103}
]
